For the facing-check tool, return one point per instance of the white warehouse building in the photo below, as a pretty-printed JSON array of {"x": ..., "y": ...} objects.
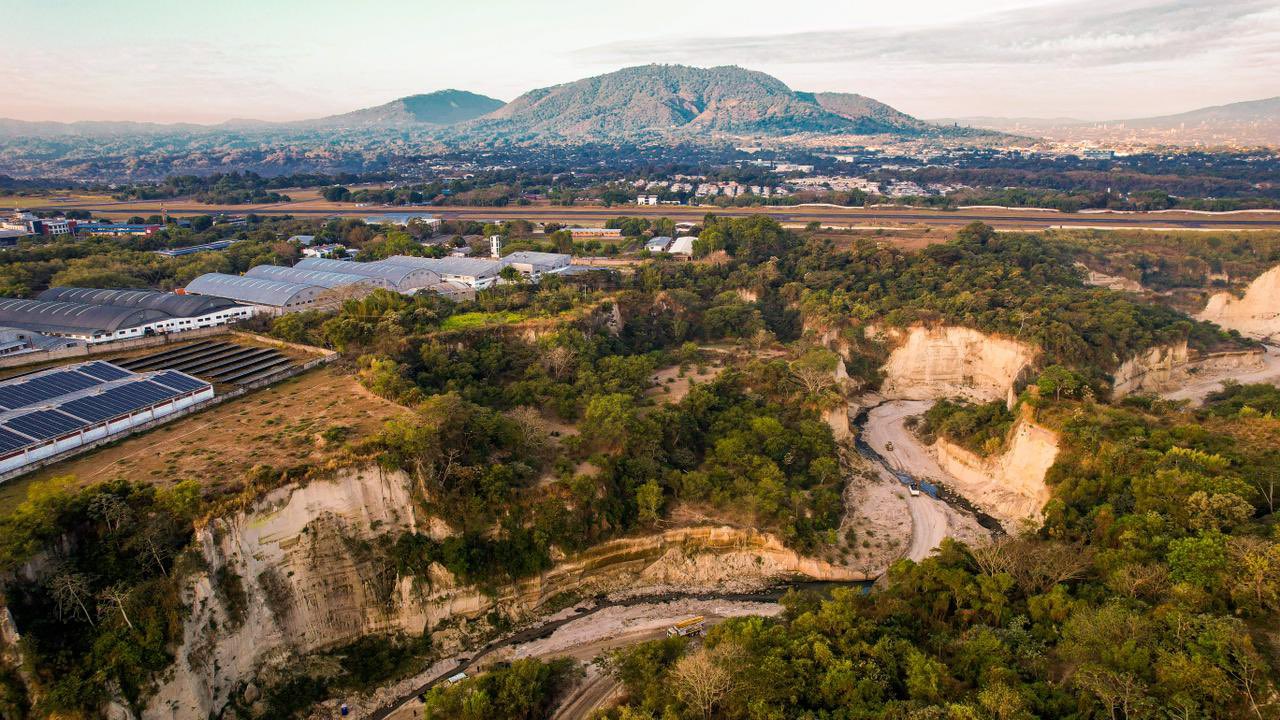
[
  {"x": 402, "y": 278},
  {"x": 185, "y": 312},
  {"x": 272, "y": 297},
  {"x": 49, "y": 413},
  {"x": 322, "y": 278},
  {"x": 475, "y": 273}
]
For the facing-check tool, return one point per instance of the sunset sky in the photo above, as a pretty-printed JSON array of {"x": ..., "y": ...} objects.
[{"x": 204, "y": 61}]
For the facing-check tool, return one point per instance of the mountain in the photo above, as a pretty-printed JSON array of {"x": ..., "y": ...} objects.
[
  {"x": 664, "y": 100},
  {"x": 870, "y": 116},
  {"x": 436, "y": 109},
  {"x": 443, "y": 107},
  {"x": 1252, "y": 122},
  {"x": 1257, "y": 116}
]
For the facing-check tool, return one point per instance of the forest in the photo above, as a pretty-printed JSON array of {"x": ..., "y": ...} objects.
[
  {"x": 1151, "y": 591},
  {"x": 535, "y": 428}
]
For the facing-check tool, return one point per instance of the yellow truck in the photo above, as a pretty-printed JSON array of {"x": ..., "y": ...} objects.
[{"x": 687, "y": 627}]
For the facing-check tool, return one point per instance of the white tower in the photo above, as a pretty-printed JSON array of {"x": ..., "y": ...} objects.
[{"x": 495, "y": 246}]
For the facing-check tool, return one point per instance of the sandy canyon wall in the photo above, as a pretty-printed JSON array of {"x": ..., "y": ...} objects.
[
  {"x": 303, "y": 558},
  {"x": 949, "y": 361},
  {"x": 1169, "y": 367},
  {"x": 1010, "y": 485},
  {"x": 1256, "y": 314}
]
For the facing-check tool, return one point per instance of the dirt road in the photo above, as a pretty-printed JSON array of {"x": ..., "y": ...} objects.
[
  {"x": 932, "y": 520},
  {"x": 1197, "y": 391},
  {"x": 583, "y": 636}
]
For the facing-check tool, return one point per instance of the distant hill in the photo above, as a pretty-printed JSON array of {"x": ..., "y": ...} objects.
[
  {"x": 436, "y": 109},
  {"x": 1253, "y": 122},
  {"x": 443, "y": 107},
  {"x": 870, "y": 116},
  {"x": 1260, "y": 113},
  {"x": 664, "y": 100}
]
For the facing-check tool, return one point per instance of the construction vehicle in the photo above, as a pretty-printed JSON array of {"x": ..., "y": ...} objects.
[{"x": 687, "y": 627}]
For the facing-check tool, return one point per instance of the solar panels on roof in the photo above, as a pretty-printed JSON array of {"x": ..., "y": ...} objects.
[
  {"x": 178, "y": 381},
  {"x": 43, "y": 424},
  {"x": 53, "y": 404},
  {"x": 104, "y": 371},
  {"x": 42, "y": 387},
  {"x": 11, "y": 441}
]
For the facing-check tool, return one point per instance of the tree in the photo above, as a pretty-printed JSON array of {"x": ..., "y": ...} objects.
[
  {"x": 336, "y": 193},
  {"x": 649, "y": 502},
  {"x": 607, "y": 420},
  {"x": 71, "y": 591},
  {"x": 1198, "y": 560},
  {"x": 1057, "y": 380},
  {"x": 115, "y": 597},
  {"x": 701, "y": 680},
  {"x": 815, "y": 374}
]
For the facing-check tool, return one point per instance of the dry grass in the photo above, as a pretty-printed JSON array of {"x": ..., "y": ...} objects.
[
  {"x": 672, "y": 384},
  {"x": 280, "y": 426}
]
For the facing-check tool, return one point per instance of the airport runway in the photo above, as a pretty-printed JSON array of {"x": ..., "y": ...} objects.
[{"x": 830, "y": 216}]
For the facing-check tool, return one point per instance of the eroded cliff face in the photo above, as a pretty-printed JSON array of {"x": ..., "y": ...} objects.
[
  {"x": 1169, "y": 367},
  {"x": 950, "y": 361},
  {"x": 1111, "y": 282},
  {"x": 1256, "y": 314},
  {"x": 1008, "y": 486},
  {"x": 311, "y": 582}
]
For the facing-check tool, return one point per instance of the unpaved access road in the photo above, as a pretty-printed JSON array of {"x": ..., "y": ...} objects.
[
  {"x": 1200, "y": 389},
  {"x": 931, "y": 518},
  {"x": 587, "y": 634}
]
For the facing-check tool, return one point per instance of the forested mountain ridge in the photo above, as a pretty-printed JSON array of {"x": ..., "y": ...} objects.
[{"x": 659, "y": 100}]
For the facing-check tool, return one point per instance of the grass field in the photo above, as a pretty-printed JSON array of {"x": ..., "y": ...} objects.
[
  {"x": 300, "y": 421},
  {"x": 466, "y": 321}
]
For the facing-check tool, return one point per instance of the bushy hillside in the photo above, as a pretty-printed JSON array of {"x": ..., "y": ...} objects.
[
  {"x": 443, "y": 107},
  {"x": 661, "y": 99}
]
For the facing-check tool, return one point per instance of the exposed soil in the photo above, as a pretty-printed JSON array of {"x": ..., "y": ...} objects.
[
  {"x": 1199, "y": 389},
  {"x": 671, "y": 385}
]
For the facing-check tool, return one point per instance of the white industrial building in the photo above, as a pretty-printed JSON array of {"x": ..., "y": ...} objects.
[
  {"x": 682, "y": 245},
  {"x": 185, "y": 312},
  {"x": 475, "y": 273},
  {"x": 401, "y": 278},
  {"x": 322, "y": 278},
  {"x": 16, "y": 341},
  {"x": 658, "y": 243},
  {"x": 536, "y": 264},
  {"x": 96, "y": 316},
  {"x": 273, "y": 297},
  {"x": 47, "y": 413}
]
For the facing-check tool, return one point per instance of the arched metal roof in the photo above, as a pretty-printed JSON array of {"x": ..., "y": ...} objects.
[
  {"x": 472, "y": 267},
  {"x": 402, "y": 277},
  {"x": 255, "y": 291},
  {"x": 322, "y": 278},
  {"x": 73, "y": 318},
  {"x": 175, "y": 305}
]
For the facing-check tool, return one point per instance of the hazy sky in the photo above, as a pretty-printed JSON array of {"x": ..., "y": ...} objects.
[{"x": 207, "y": 61}]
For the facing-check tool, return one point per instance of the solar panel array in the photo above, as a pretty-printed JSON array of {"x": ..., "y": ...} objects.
[{"x": 55, "y": 403}]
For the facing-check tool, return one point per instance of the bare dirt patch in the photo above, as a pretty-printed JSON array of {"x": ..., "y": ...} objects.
[
  {"x": 303, "y": 420},
  {"x": 672, "y": 384}
]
